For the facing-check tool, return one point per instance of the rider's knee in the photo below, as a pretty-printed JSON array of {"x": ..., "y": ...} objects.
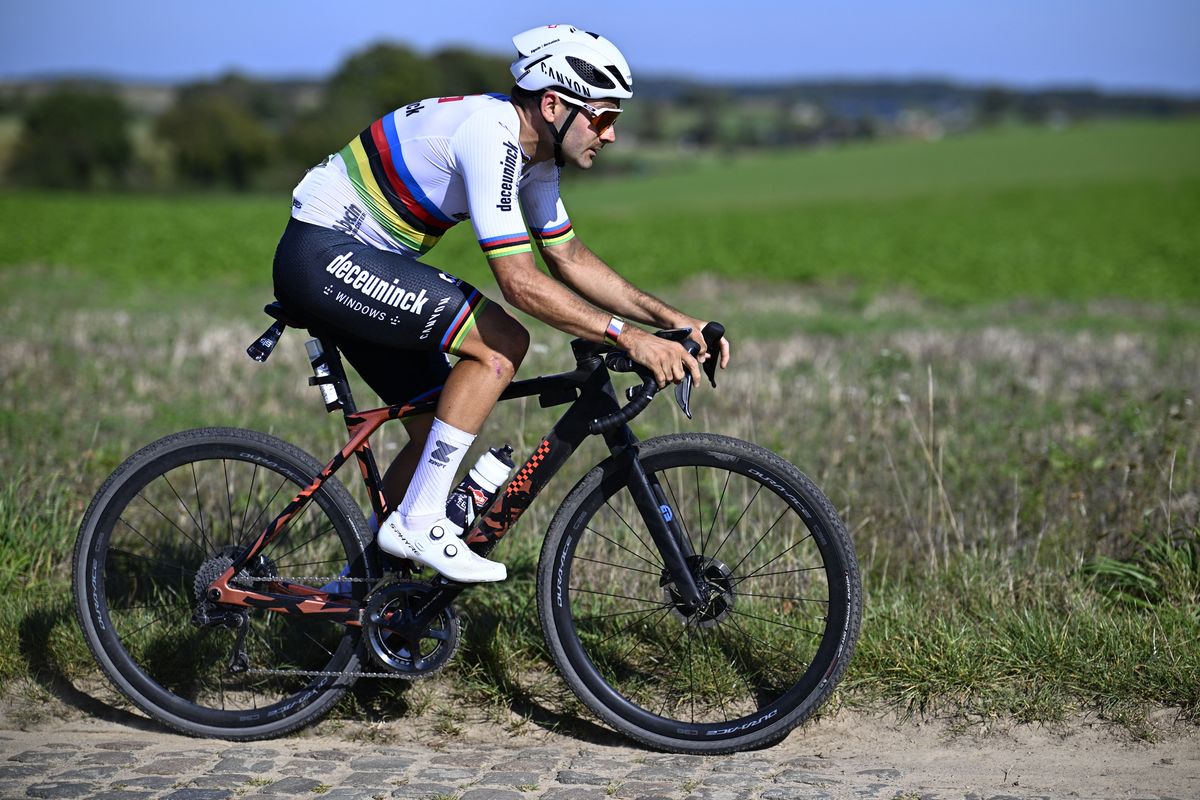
[{"x": 508, "y": 342}]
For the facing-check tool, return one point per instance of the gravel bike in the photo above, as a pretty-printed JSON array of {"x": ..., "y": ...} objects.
[{"x": 697, "y": 592}]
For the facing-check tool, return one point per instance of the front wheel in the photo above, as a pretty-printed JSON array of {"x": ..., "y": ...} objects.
[{"x": 783, "y": 598}]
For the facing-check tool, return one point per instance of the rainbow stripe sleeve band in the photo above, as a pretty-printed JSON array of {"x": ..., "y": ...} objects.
[
  {"x": 559, "y": 234},
  {"x": 463, "y": 322},
  {"x": 498, "y": 246}
]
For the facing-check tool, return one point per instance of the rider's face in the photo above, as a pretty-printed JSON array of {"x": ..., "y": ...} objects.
[{"x": 582, "y": 143}]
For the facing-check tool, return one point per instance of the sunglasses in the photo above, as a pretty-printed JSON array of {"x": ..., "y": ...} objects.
[{"x": 601, "y": 119}]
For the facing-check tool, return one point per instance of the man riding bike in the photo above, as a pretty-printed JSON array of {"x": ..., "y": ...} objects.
[{"x": 362, "y": 217}]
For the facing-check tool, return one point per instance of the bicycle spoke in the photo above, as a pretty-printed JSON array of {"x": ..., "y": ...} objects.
[
  {"x": 581, "y": 590},
  {"x": 716, "y": 515},
  {"x": 156, "y": 620},
  {"x": 228, "y": 498},
  {"x": 757, "y": 575},
  {"x": 760, "y": 538},
  {"x": 187, "y": 511},
  {"x": 618, "y": 566},
  {"x": 663, "y": 609},
  {"x": 614, "y": 614},
  {"x": 255, "y": 526},
  {"x": 652, "y": 551},
  {"x": 200, "y": 509},
  {"x": 776, "y": 558},
  {"x": 249, "y": 497},
  {"x": 623, "y": 547},
  {"x": 738, "y": 521},
  {"x": 666, "y": 654},
  {"x": 171, "y": 522},
  {"x": 781, "y": 597},
  {"x": 774, "y": 622},
  {"x": 678, "y": 511},
  {"x": 130, "y": 554},
  {"x": 636, "y": 642},
  {"x": 786, "y": 654},
  {"x": 691, "y": 675},
  {"x": 716, "y": 681},
  {"x": 283, "y": 535},
  {"x": 150, "y": 606}
]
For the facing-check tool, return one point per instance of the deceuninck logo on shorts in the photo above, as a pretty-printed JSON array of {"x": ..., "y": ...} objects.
[{"x": 374, "y": 287}]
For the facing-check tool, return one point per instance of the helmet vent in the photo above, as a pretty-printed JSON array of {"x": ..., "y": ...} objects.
[{"x": 590, "y": 74}]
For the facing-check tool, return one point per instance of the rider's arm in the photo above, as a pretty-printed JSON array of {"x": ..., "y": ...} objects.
[
  {"x": 581, "y": 269},
  {"x": 574, "y": 264},
  {"x": 527, "y": 288}
]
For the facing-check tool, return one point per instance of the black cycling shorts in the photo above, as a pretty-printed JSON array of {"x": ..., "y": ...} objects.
[{"x": 393, "y": 317}]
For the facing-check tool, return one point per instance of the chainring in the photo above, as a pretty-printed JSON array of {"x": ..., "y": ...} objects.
[{"x": 397, "y": 642}]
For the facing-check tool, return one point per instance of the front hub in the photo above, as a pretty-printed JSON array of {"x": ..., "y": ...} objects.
[{"x": 716, "y": 588}]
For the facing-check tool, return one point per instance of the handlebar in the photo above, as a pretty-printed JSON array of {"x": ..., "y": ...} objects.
[{"x": 640, "y": 397}]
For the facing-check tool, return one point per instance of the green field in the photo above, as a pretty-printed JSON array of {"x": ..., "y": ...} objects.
[
  {"x": 1103, "y": 211},
  {"x": 983, "y": 348}
]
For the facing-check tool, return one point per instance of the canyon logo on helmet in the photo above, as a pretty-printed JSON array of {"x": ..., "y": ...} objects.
[
  {"x": 577, "y": 65},
  {"x": 565, "y": 57}
]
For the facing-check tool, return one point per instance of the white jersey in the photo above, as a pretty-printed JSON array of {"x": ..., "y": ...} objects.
[{"x": 401, "y": 183}]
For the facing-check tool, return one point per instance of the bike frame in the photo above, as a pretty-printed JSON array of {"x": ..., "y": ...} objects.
[{"x": 589, "y": 390}]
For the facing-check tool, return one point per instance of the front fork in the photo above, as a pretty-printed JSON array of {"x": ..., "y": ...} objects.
[{"x": 672, "y": 541}]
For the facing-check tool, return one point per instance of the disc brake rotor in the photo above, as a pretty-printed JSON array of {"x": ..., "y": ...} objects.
[{"x": 713, "y": 579}]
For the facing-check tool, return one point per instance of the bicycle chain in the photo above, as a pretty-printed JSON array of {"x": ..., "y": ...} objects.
[
  {"x": 304, "y": 579},
  {"x": 309, "y": 673}
]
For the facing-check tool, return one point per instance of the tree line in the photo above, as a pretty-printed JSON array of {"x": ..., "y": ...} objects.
[
  {"x": 238, "y": 132},
  {"x": 231, "y": 131}
]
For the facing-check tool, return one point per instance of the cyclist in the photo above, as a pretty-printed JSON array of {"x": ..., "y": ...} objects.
[{"x": 360, "y": 219}]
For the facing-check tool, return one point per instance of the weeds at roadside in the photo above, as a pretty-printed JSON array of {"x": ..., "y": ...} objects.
[{"x": 1023, "y": 503}]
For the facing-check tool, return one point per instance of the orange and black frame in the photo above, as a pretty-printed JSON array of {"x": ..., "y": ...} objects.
[{"x": 593, "y": 410}]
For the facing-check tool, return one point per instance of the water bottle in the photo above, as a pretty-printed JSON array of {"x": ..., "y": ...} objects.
[
  {"x": 474, "y": 494},
  {"x": 317, "y": 357}
]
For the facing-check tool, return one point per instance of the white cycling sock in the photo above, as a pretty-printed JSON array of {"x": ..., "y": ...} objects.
[{"x": 431, "y": 483}]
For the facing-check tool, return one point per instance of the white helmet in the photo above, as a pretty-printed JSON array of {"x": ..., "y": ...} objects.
[{"x": 564, "y": 57}]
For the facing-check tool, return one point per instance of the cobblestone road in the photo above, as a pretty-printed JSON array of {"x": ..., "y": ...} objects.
[{"x": 88, "y": 759}]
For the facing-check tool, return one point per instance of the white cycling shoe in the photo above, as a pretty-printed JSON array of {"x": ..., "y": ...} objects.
[{"x": 439, "y": 547}]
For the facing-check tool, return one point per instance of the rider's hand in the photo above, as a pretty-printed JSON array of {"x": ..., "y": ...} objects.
[
  {"x": 667, "y": 360},
  {"x": 697, "y": 336}
]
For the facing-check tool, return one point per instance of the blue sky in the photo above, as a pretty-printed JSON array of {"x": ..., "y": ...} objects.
[{"x": 1115, "y": 44}]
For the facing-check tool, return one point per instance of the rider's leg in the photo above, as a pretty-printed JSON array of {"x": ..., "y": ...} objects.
[
  {"x": 490, "y": 355},
  {"x": 399, "y": 473}
]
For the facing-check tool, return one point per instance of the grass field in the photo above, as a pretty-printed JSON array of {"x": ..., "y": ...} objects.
[{"x": 984, "y": 349}]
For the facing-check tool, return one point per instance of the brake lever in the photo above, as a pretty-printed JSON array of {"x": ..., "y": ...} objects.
[
  {"x": 683, "y": 389},
  {"x": 713, "y": 332}
]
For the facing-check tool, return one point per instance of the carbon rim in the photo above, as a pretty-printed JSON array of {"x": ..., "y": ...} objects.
[
  {"x": 167, "y": 520},
  {"x": 771, "y": 636}
]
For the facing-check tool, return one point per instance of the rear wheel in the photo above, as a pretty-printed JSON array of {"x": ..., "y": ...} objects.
[
  {"x": 782, "y": 598},
  {"x": 167, "y": 523}
]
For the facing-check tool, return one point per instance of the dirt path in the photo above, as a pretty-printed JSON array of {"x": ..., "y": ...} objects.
[{"x": 852, "y": 755}]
